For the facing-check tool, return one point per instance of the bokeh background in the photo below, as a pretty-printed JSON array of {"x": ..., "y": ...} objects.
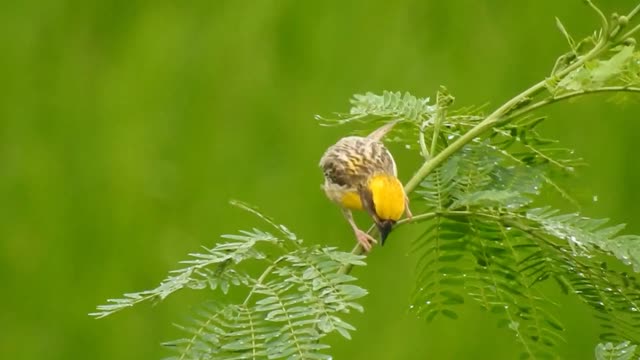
[{"x": 126, "y": 126}]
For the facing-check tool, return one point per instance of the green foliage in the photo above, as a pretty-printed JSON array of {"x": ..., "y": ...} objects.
[
  {"x": 387, "y": 105},
  {"x": 285, "y": 318},
  {"x": 604, "y": 72},
  {"x": 471, "y": 249},
  {"x": 297, "y": 300},
  {"x": 486, "y": 240},
  {"x": 621, "y": 351}
]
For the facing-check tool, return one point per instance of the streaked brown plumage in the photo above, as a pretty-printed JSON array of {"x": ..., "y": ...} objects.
[
  {"x": 353, "y": 159},
  {"x": 360, "y": 174}
]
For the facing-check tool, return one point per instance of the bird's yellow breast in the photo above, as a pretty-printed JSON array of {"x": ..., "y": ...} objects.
[
  {"x": 351, "y": 200},
  {"x": 388, "y": 196}
]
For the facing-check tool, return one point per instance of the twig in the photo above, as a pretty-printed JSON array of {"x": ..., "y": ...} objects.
[{"x": 566, "y": 96}]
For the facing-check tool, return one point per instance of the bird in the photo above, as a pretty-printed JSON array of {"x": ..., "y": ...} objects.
[{"x": 361, "y": 174}]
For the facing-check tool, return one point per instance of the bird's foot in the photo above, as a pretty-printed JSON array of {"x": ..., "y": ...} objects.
[{"x": 365, "y": 240}]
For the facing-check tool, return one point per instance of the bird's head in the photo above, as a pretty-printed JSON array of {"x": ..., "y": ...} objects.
[{"x": 384, "y": 199}]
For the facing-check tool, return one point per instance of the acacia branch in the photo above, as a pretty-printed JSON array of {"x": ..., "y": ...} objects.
[{"x": 551, "y": 100}]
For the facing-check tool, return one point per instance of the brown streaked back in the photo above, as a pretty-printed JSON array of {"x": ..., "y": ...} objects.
[{"x": 353, "y": 159}]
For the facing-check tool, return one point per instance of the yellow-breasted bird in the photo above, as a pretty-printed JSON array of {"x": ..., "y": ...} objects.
[{"x": 360, "y": 174}]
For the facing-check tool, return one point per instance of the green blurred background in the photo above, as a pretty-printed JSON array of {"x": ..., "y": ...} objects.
[{"x": 126, "y": 126}]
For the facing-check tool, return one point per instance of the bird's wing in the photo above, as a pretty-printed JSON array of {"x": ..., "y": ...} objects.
[{"x": 352, "y": 160}]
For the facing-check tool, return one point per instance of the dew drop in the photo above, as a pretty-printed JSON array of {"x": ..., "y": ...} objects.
[
  {"x": 595, "y": 198},
  {"x": 408, "y": 147}
]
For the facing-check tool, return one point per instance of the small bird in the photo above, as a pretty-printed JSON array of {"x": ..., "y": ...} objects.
[{"x": 360, "y": 174}]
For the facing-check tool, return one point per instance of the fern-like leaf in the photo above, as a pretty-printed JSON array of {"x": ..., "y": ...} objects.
[
  {"x": 621, "y": 351},
  {"x": 485, "y": 242},
  {"x": 284, "y": 317},
  {"x": 208, "y": 269},
  {"x": 440, "y": 274},
  {"x": 385, "y": 106},
  {"x": 299, "y": 298},
  {"x": 585, "y": 235}
]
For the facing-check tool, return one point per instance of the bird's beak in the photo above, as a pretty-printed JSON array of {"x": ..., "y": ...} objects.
[{"x": 384, "y": 227}]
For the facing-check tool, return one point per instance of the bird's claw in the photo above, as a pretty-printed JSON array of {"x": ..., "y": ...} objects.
[{"x": 365, "y": 240}]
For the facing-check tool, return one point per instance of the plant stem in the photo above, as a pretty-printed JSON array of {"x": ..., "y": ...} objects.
[
  {"x": 493, "y": 119},
  {"x": 358, "y": 250},
  {"x": 263, "y": 276},
  {"x": 435, "y": 161},
  {"x": 603, "y": 19},
  {"x": 630, "y": 32},
  {"x": 436, "y": 129},
  {"x": 566, "y": 96},
  {"x": 423, "y": 143}
]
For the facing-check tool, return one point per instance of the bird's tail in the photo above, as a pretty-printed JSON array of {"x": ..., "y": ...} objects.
[{"x": 380, "y": 132}]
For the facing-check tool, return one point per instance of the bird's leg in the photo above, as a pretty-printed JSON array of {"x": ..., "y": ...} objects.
[
  {"x": 364, "y": 239},
  {"x": 406, "y": 207}
]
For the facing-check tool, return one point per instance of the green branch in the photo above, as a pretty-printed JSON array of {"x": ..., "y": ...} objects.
[{"x": 566, "y": 96}]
